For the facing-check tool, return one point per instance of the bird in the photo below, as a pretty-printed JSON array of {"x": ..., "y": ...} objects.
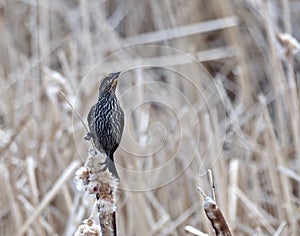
[{"x": 106, "y": 121}]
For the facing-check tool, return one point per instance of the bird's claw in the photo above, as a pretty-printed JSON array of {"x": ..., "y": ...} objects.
[{"x": 88, "y": 136}]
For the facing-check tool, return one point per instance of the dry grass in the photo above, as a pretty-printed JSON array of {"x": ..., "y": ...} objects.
[{"x": 242, "y": 120}]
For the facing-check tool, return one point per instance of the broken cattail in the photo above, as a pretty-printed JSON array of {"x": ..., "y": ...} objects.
[{"x": 215, "y": 215}]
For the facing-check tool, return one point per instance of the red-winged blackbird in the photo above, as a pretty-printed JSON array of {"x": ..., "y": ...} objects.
[{"x": 106, "y": 121}]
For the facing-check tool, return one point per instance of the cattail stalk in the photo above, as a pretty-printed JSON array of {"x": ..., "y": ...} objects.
[{"x": 93, "y": 180}]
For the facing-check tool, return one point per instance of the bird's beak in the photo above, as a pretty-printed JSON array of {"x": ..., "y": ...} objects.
[
  {"x": 116, "y": 75},
  {"x": 115, "y": 78}
]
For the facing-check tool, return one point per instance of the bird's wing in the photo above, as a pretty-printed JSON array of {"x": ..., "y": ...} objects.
[{"x": 90, "y": 117}]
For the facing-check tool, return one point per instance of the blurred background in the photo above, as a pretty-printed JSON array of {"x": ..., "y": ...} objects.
[{"x": 205, "y": 84}]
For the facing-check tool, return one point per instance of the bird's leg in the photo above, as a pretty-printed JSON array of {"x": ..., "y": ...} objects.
[{"x": 105, "y": 163}]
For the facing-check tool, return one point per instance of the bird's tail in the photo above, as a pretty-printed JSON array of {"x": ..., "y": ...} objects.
[{"x": 111, "y": 166}]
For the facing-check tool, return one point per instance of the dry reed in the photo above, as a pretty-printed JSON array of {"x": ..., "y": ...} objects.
[{"x": 238, "y": 114}]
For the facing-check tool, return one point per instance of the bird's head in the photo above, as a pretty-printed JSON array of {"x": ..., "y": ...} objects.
[{"x": 109, "y": 83}]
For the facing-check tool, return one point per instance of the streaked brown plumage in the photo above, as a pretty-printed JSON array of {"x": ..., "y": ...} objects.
[{"x": 106, "y": 121}]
